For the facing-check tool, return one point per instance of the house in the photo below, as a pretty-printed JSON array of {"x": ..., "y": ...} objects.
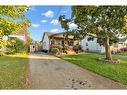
[
  {"x": 22, "y": 35},
  {"x": 50, "y": 40},
  {"x": 57, "y": 39},
  {"x": 122, "y": 42},
  {"x": 92, "y": 45}
]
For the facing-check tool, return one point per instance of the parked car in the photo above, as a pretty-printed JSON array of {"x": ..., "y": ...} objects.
[{"x": 124, "y": 49}]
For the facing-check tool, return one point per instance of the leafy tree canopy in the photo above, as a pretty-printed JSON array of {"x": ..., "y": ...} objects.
[
  {"x": 103, "y": 21},
  {"x": 12, "y": 19}
]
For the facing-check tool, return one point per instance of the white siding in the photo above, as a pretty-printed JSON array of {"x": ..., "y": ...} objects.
[
  {"x": 5, "y": 38},
  {"x": 19, "y": 37},
  {"x": 92, "y": 45},
  {"x": 32, "y": 48},
  {"x": 45, "y": 44}
]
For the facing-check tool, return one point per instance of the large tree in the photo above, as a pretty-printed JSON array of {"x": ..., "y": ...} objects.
[
  {"x": 12, "y": 19},
  {"x": 105, "y": 23}
]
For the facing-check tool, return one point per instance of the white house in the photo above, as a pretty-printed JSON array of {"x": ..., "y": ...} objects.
[
  {"x": 50, "y": 39},
  {"x": 91, "y": 45}
]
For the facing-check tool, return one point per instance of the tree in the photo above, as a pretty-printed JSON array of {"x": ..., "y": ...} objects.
[
  {"x": 105, "y": 23},
  {"x": 17, "y": 46},
  {"x": 12, "y": 19},
  {"x": 64, "y": 24}
]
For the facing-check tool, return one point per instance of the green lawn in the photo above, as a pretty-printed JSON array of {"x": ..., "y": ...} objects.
[
  {"x": 117, "y": 72},
  {"x": 13, "y": 71},
  {"x": 123, "y": 53}
]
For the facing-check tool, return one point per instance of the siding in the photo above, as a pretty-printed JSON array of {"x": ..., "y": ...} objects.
[
  {"x": 22, "y": 37},
  {"x": 45, "y": 44},
  {"x": 92, "y": 45}
]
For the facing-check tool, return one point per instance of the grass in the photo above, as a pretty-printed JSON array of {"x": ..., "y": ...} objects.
[
  {"x": 123, "y": 53},
  {"x": 117, "y": 72},
  {"x": 13, "y": 70}
]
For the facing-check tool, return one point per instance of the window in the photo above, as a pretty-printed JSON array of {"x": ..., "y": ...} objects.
[
  {"x": 86, "y": 44},
  {"x": 62, "y": 43}
]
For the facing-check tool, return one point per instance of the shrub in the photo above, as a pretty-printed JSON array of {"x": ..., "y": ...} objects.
[
  {"x": 55, "y": 51},
  {"x": 60, "y": 48},
  {"x": 17, "y": 46}
]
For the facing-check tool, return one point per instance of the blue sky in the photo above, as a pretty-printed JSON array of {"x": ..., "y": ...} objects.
[{"x": 45, "y": 19}]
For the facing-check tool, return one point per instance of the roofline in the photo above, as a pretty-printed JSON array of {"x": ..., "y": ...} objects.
[
  {"x": 43, "y": 37},
  {"x": 59, "y": 33}
]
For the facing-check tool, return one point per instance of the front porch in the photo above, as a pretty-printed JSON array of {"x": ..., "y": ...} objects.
[{"x": 65, "y": 44}]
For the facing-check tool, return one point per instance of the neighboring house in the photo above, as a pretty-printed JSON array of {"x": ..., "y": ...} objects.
[
  {"x": 55, "y": 39},
  {"x": 122, "y": 42},
  {"x": 92, "y": 45},
  {"x": 22, "y": 35}
]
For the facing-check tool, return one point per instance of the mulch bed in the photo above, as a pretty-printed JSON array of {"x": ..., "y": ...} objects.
[{"x": 110, "y": 61}]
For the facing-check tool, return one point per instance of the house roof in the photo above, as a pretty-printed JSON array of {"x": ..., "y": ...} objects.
[
  {"x": 51, "y": 34},
  {"x": 122, "y": 39},
  {"x": 48, "y": 34}
]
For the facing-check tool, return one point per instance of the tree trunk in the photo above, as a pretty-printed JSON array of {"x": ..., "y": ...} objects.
[{"x": 107, "y": 49}]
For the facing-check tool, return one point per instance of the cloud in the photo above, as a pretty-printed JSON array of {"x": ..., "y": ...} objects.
[
  {"x": 55, "y": 22},
  {"x": 48, "y": 14},
  {"x": 35, "y": 25},
  {"x": 54, "y": 30},
  {"x": 72, "y": 26},
  {"x": 43, "y": 21}
]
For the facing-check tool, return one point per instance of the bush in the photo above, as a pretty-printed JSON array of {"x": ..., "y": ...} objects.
[
  {"x": 55, "y": 51},
  {"x": 60, "y": 48},
  {"x": 17, "y": 46}
]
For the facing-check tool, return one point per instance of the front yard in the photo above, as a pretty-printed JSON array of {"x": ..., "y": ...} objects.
[
  {"x": 13, "y": 71},
  {"x": 123, "y": 53},
  {"x": 117, "y": 72}
]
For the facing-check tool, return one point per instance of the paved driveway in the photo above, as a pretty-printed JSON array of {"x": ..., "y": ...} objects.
[{"x": 49, "y": 72}]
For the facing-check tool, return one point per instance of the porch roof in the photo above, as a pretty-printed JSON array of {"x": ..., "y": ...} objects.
[{"x": 57, "y": 35}]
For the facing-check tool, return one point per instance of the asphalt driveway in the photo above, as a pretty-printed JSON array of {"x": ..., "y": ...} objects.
[{"x": 49, "y": 72}]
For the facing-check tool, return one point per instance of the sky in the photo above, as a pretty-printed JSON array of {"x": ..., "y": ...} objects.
[{"x": 45, "y": 19}]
